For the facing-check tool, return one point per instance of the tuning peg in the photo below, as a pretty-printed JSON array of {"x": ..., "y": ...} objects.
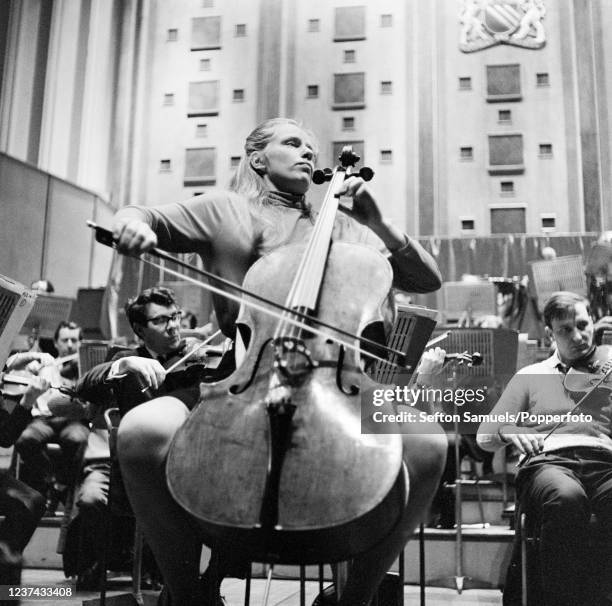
[{"x": 320, "y": 176}]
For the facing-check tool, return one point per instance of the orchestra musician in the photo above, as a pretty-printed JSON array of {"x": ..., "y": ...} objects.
[
  {"x": 155, "y": 318},
  {"x": 21, "y": 506},
  {"x": 566, "y": 474},
  {"x": 265, "y": 208},
  {"x": 57, "y": 418}
]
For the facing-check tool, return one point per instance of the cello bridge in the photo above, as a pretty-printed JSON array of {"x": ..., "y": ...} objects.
[{"x": 292, "y": 358}]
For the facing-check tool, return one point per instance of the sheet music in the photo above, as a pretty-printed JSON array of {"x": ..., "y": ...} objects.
[
  {"x": 410, "y": 333},
  {"x": 16, "y": 303}
]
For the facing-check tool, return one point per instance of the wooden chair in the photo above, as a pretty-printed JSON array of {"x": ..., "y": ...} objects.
[{"x": 530, "y": 541}]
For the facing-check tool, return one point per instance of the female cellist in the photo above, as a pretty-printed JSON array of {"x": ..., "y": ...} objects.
[{"x": 266, "y": 208}]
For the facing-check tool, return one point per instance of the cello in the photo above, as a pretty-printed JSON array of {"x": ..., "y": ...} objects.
[{"x": 292, "y": 478}]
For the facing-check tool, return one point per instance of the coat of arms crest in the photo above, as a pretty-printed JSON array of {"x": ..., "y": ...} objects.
[{"x": 485, "y": 23}]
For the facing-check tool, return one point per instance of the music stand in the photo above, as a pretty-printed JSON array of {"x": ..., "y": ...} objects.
[
  {"x": 49, "y": 310},
  {"x": 499, "y": 348},
  {"x": 87, "y": 312},
  {"x": 456, "y": 299},
  {"x": 562, "y": 273},
  {"x": 91, "y": 353},
  {"x": 599, "y": 260},
  {"x": 410, "y": 333},
  {"x": 16, "y": 302},
  {"x": 599, "y": 272}
]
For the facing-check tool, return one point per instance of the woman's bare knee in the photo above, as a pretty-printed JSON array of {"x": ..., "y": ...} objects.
[
  {"x": 425, "y": 452},
  {"x": 146, "y": 431}
]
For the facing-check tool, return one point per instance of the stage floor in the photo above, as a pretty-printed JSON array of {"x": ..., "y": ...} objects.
[{"x": 282, "y": 593}]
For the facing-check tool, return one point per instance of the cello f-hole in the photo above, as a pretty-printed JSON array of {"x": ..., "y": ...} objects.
[
  {"x": 237, "y": 389},
  {"x": 352, "y": 390}
]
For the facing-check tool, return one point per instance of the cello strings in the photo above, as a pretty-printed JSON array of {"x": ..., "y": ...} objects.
[{"x": 310, "y": 270}]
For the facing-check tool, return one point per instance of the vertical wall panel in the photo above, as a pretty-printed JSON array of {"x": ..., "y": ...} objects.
[
  {"x": 426, "y": 117},
  {"x": 101, "y": 256},
  {"x": 23, "y": 194},
  {"x": 587, "y": 96},
  {"x": 269, "y": 59},
  {"x": 18, "y": 94},
  {"x": 39, "y": 79},
  {"x": 68, "y": 238},
  {"x": 60, "y": 95}
]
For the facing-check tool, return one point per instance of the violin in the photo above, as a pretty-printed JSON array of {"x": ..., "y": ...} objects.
[
  {"x": 293, "y": 478},
  {"x": 16, "y": 383},
  {"x": 594, "y": 371},
  {"x": 187, "y": 367}
]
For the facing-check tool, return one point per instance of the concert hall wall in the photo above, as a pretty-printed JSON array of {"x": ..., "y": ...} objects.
[{"x": 43, "y": 230}]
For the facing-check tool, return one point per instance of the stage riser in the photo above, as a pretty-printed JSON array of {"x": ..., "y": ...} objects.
[
  {"x": 484, "y": 557},
  {"x": 492, "y": 512},
  {"x": 40, "y": 552},
  {"x": 485, "y": 560}
]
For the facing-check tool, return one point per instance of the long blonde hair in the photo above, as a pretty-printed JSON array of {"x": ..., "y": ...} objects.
[{"x": 246, "y": 181}]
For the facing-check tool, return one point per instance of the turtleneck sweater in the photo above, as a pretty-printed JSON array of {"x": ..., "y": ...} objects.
[
  {"x": 280, "y": 198},
  {"x": 230, "y": 233}
]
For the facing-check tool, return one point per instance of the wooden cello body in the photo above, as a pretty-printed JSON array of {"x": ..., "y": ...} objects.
[{"x": 272, "y": 462}]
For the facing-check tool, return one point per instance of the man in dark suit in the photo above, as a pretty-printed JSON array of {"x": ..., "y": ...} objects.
[{"x": 130, "y": 377}]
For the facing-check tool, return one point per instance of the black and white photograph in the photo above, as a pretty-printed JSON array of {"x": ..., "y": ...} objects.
[{"x": 306, "y": 302}]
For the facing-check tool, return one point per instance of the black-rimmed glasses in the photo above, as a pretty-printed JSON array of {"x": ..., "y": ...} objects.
[{"x": 164, "y": 320}]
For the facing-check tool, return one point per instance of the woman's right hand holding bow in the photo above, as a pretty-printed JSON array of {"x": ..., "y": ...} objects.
[{"x": 133, "y": 236}]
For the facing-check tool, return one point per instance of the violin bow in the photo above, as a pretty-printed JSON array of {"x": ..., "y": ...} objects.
[
  {"x": 105, "y": 236},
  {"x": 192, "y": 351}
]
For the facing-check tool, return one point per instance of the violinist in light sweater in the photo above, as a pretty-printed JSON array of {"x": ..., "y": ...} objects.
[{"x": 566, "y": 471}]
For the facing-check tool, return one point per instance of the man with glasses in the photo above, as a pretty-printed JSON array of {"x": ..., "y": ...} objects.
[
  {"x": 133, "y": 375},
  {"x": 129, "y": 378}
]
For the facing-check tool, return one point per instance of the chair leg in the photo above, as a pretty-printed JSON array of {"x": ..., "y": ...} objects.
[
  {"x": 137, "y": 565},
  {"x": 523, "y": 531},
  {"x": 421, "y": 563},
  {"x": 104, "y": 560},
  {"x": 321, "y": 578},
  {"x": 400, "y": 570},
  {"x": 268, "y": 583},
  {"x": 247, "y": 586},
  {"x": 302, "y": 585}
]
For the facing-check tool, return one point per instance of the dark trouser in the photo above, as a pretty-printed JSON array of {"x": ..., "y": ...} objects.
[
  {"x": 92, "y": 500},
  {"x": 31, "y": 445},
  {"x": 93, "y": 531},
  {"x": 22, "y": 508},
  {"x": 559, "y": 492}
]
